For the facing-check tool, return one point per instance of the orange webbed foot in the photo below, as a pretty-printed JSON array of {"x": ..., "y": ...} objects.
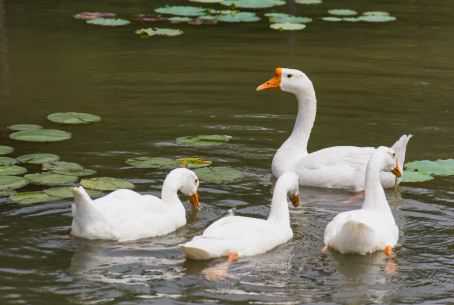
[{"x": 388, "y": 250}]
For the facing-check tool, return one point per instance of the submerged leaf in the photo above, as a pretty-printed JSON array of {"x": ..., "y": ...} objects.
[
  {"x": 106, "y": 184},
  {"x": 12, "y": 170},
  {"x": 152, "y": 162},
  {"x": 4, "y": 149},
  {"x": 51, "y": 179},
  {"x": 287, "y": 26},
  {"x": 183, "y": 10},
  {"x": 12, "y": 183},
  {"x": 38, "y": 158},
  {"x": 93, "y": 15},
  {"x": 73, "y": 118},
  {"x": 203, "y": 140},
  {"x": 219, "y": 175},
  {"x": 5, "y": 161},
  {"x": 31, "y": 197},
  {"x": 19, "y": 127},
  {"x": 108, "y": 21},
  {"x": 257, "y": 4},
  {"x": 40, "y": 135}
]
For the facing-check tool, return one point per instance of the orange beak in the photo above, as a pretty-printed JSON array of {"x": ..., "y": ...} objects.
[
  {"x": 396, "y": 170},
  {"x": 274, "y": 82},
  {"x": 195, "y": 201},
  {"x": 295, "y": 199}
]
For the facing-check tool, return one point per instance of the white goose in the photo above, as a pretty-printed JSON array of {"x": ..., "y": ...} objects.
[
  {"x": 371, "y": 228},
  {"x": 125, "y": 215},
  {"x": 341, "y": 167},
  {"x": 237, "y": 236}
]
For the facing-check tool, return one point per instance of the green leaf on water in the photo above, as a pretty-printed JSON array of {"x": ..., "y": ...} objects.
[
  {"x": 106, "y": 184},
  {"x": 377, "y": 18},
  {"x": 218, "y": 175},
  {"x": 308, "y": 1},
  {"x": 4, "y": 149},
  {"x": 286, "y": 19},
  {"x": 152, "y": 162},
  {"x": 331, "y": 19},
  {"x": 31, "y": 197},
  {"x": 428, "y": 167},
  {"x": 40, "y": 135},
  {"x": 12, "y": 183},
  {"x": 73, "y": 118},
  {"x": 342, "y": 12},
  {"x": 108, "y": 21},
  {"x": 239, "y": 17},
  {"x": 255, "y": 4},
  {"x": 351, "y": 19},
  {"x": 68, "y": 168},
  {"x": 193, "y": 162},
  {"x": 148, "y": 32},
  {"x": 206, "y": 1},
  {"x": 182, "y": 10},
  {"x": 6, "y": 193},
  {"x": 51, "y": 179},
  {"x": 287, "y": 26},
  {"x": 203, "y": 140},
  {"x": 19, "y": 127},
  {"x": 12, "y": 170},
  {"x": 38, "y": 158},
  {"x": 415, "y": 177},
  {"x": 5, "y": 161},
  {"x": 178, "y": 19},
  {"x": 376, "y": 13},
  {"x": 66, "y": 192}
]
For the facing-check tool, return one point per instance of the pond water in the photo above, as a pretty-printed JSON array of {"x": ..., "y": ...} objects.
[{"x": 374, "y": 82}]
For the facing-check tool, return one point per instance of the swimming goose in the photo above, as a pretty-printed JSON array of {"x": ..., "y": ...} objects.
[
  {"x": 371, "y": 228},
  {"x": 341, "y": 167},
  {"x": 125, "y": 215}
]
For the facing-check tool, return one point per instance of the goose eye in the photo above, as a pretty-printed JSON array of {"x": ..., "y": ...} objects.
[
  {"x": 196, "y": 181},
  {"x": 289, "y": 75},
  {"x": 394, "y": 155}
]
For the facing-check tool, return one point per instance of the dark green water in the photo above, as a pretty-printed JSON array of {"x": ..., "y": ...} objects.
[{"x": 373, "y": 81}]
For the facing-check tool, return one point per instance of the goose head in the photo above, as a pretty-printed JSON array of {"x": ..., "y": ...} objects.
[
  {"x": 390, "y": 162},
  {"x": 187, "y": 182},
  {"x": 288, "y": 80},
  {"x": 289, "y": 181}
]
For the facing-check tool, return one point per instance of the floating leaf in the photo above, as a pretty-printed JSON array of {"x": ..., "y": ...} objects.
[
  {"x": 66, "y": 192},
  {"x": 239, "y": 17},
  {"x": 159, "y": 31},
  {"x": 38, "y": 158},
  {"x": 149, "y": 18},
  {"x": 437, "y": 168},
  {"x": 206, "y": 1},
  {"x": 415, "y": 177},
  {"x": 308, "y": 1},
  {"x": 40, "y": 135},
  {"x": 73, "y": 118},
  {"x": 108, "y": 21},
  {"x": 106, "y": 184},
  {"x": 351, "y": 19},
  {"x": 204, "y": 20},
  {"x": 203, "y": 140},
  {"x": 179, "y": 20},
  {"x": 185, "y": 11},
  {"x": 257, "y": 4},
  {"x": 219, "y": 174},
  {"x": 377, "y": 18},
  {"x": 149, "y": 162},
  {"x": 93, "y": 15},
  {"x": 287, "y": 26},
  {"x": 62, "y": 165},
  {"x": 376, "y": 13},
  {"x": 12, "y": 170},
  {"x": 6, "y": 193},
  {"x": 12, "y": 183},
  {"x": 343, "y": 12},
  {"x": 285, "y": 19},
  {"x": 4, "y": 161},
  {"x": 31, "y": 197},
  {"x": 193, "y": 162},
  {"x": 331, "y": 19},
  {"x": 50, "y": 179},
  {"x": 4, "y": 150},
  {"x": 19, "y": 127}
]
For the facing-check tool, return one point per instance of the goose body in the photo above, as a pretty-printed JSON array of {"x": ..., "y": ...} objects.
[
  {"x": 247, "y": 236},
  {"x": 340, "y": 167},
  {"x": 371, "y": 228},
  {"x": 125, "y": 215}
]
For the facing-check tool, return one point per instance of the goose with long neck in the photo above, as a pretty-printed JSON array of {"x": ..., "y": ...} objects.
[
  {"x": 237, "y": 236},
  {"x": 341, "y": 167},
  {"x": 125, "y": 215},
  {"x": 371, "y": 228}
]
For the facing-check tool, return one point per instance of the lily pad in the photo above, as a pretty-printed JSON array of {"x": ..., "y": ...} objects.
[
  {"x": 152, "y": 162},
  {"x": 377, "y": 18},
  {"x": 50, "y": 179},
  {"x": 203, "y": 140},
  {"x": 416, "y": 177},
  {"x": 183, "y": 10},
  {"x": 73, "y": 118},
  {"x": 239, "y": 17},
  {"x": 331, "y": 19},
  {"x": 206, "y": 1},
  {"x": 108, "y": 21},
  {"x": 4, "y": 149},
  {"x": 38, "y": 158},
  {"x": 193, "y": 162},
  {"x": 12, "y": 183},
  {"x": 287, "y": 26},
  {"x": 40, "y": 135},
  {"x": 62, "y": 165},
  {"x": 219, "y": 174},
  {"x": 343, "y": 12},
  {"x": 93, "y": 15},
  {"x": 5, "y": 161},
  {"x": 436, "y": 168},
  {"x": 66, "y": 192},
  {"x": 178, "y": 19},
  {"x": 106, "y": 184},
  {"x": 6, "y": 193},
  {"x": 19, "y": 127},
  {"x": 308, "y": 1},
  {"x": 376, "y": 13},
  {"x": 255, "y": 4},
  {"x": 159, "y": 32},
  {"x": 12, "y": 170},
  {"x": 31, "y": 197},
  {"x": 285, "y": 19},
  {"x": 351, "y": 19}
]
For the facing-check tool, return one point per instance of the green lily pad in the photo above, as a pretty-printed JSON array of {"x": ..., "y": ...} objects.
[
  {"x": 239, "y": 17},
  {"x": 73, "y": 118},
  {"x": 152, "y": 162},
  {"x": 416, "y": 177},
  {"x": 183, "y": 10},
  {"x": 106, "y": 184},
  {"x": 12, "y": 170},
  {"x": 308, "y": 1},
  {"x": 285, "y": 19},
  {"x": 256, "y": 4},
  {"x": 31, "y": 197},
  {"x": 343, "y": 12},
  {"x": 40, "y": 135},
  {"x": 66, "y": 192},
  {"x": 68, "y": 168},
  {"x": 20, "y": 127},
  {"x": 331, "y": 19},
  {"x": 219, "y": 174},
  {"x": 377, "y": 18},
  {"x": 4, "y": 150},
  {"x": 193, "y": 162},
  {"x": 6, "y": 193},
  {"x": 159, "y": 32},
  {"x": 351, "y": 19},
  {"x": 50, "y": 179},
  {"x": 206, "y": 1},
  {"x": 203, "y": 140},
  {"x": 436, "y": 168},
  {"x": 376, "y": 13},
  {"x": 12, "y": 183},
  {"x": 178, "y": 19},
  {"x": 108, "y": 21},
  {"x": 287, "y": 26},
  {"x": 38, "y": 158},
  {"x": 5, "y": 161}
]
